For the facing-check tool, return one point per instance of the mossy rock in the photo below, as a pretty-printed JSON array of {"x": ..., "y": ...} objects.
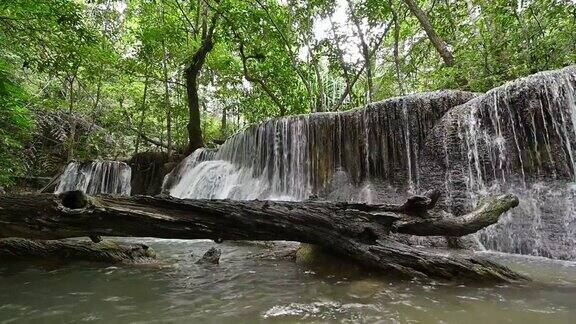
[
  {"x": 325, "y": 262},
  {"x": 106, "y": 251}
]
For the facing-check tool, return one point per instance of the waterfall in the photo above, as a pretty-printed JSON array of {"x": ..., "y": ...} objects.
[
  {"x": 331, "y": 155},
  {"x": 544, "y": 224},
  {"x": 520, "y": 138},
  {"x": 96, "y": 177}
]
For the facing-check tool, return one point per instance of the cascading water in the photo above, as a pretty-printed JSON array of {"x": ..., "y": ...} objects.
[
  {"x": 325, "y": 154},
  {"x": 97, "y": 177},
  {"x": 520, "y": 138}
]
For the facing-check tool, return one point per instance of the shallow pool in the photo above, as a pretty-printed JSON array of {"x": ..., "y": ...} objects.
[{"x": 247, "y": 290}]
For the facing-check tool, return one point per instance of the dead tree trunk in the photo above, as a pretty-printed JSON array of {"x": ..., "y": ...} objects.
[{"x": 356, "y": 231}]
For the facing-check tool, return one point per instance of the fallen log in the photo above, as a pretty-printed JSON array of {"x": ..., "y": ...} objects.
[
  {"x": 19, "y": 249},
  {"x": 356, "y": 231}
]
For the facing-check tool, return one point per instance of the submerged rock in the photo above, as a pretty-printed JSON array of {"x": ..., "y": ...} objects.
[
  {"x": 274, "y": 250},
  {"x": 364, "y": 288},
  {"x": 325, "y": 262}
]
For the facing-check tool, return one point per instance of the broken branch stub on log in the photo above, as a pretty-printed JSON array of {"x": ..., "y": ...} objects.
[
  {"x": 357, "y": 231},
  {"x": 486, "y": 213}
]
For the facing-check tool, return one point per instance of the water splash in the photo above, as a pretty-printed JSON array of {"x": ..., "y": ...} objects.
[{"x": 97, "y": 177}]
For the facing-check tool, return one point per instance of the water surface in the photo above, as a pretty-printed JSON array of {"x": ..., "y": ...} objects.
[{"x": 247, "y": 290}]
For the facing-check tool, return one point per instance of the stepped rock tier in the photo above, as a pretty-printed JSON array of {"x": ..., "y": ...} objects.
[{"x": 295, "y": 157}]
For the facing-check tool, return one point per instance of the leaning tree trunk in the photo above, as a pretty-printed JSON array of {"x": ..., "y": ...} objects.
[
  {"x": 435, "y": 39},
  {"x": 357, "y": 231}
]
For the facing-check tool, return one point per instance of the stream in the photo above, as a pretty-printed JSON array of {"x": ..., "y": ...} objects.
[{"x": 243, "y": 289}]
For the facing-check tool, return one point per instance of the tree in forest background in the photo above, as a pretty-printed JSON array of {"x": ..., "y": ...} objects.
[
  {"x": 107, "y": 78},
  {"x": 15, "y": 124}
]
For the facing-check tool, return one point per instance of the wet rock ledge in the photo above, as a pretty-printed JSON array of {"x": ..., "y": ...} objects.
[{"x": 106, "y": 251}]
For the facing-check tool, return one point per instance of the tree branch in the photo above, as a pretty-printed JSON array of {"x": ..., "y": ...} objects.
[
  {"x": 359, "y": 73},
  {"x": 435, "y": 39}
]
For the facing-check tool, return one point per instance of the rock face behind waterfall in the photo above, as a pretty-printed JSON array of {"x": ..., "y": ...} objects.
[
  {"x": 97, "y": 177},
  {"x": 521, "y": 138},
  {"x": 148, "y": 171},
  {"x": 292, "y": 158}
]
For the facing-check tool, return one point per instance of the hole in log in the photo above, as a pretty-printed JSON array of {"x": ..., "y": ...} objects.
[
  {"x": 368, "y": 236},
  {"x": 74, "y": 199}
]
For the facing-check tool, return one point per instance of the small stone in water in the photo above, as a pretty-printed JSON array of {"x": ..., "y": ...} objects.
[{"x": 211, "y": 256}]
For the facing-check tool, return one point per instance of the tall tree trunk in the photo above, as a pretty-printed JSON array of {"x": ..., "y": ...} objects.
[
  {"x": 345, "y": 73},
  {"x": 167, "y": 104},
  {"x": 223, "y": 123},
  {"x": 195, "y": 139},
  {"x": 95, "y": 106},
  {"x": 365, "y": 52},
  {"x": 166, "y": 91},
  {"x": 436, "y": 40},
  {"x": 121, "y": 108},
  {"x": 142, "y": 114},
  {"x": 473, "y": 18},
  {"x": 321, "y": 105},
  {"x": 72, "y": 135},
  {"x": 191, "y": 74},
  {"x": 396, "y": 50},
  {"x": 97, "y": 100}
]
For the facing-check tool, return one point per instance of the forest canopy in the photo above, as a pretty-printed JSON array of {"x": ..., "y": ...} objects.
[{"x": 84, "y": 79}]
